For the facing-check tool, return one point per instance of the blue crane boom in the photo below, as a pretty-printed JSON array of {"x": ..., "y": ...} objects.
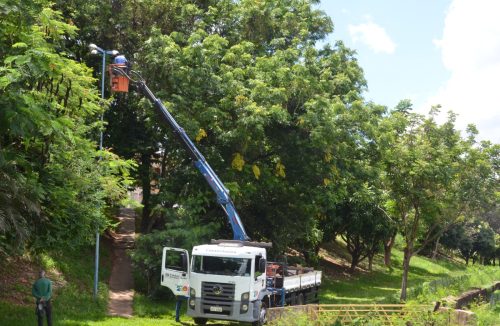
[{"x": 202, "y": 165}]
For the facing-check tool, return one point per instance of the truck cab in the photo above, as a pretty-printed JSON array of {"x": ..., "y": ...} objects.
[{"x": 224, "y": 281}]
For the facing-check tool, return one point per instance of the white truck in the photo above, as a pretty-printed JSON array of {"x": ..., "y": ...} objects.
[
  {"x": 227, "y": 279},
  {"x": 232, "y": 280}
]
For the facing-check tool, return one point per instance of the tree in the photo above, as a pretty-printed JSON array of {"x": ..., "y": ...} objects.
[
  {"x": 54, "y": 188},
  {"x": 365, "y": 226},
  {"x": 484, "y": 244},
  {"x": 252, "y": 108},
  {"x": 460, "y": 237},
  {"x": 473, "y": 240},
  {"x": 421, "y": 163},
  {"x": 356, "y": 211}
]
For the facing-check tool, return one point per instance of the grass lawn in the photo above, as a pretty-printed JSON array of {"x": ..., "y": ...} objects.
[
  {"x": 73, "y": 304},
  {"x": 73, "y": 277},
  {"x": 383, "y": 284}
]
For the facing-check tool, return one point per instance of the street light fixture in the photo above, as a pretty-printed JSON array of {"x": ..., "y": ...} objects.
[{"x": 94, "y": 49}]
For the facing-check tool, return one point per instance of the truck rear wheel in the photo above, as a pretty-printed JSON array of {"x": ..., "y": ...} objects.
[
  {"x": 293, "y": 299},
  {"x": 262, "y": 316},
  {"x": 200, "y": 321},
  {"x": 300, "y": 299}
]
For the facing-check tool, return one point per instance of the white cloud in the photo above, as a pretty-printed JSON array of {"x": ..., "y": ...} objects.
[
  {"x": 438, "y": 43},
  {"x": 373, "y": 35},
  {"x": 470, "y": 48}
]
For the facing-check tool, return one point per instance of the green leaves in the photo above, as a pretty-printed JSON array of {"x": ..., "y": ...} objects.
[
  {"x": 270, "y": 105},
  {"x": 280, "y": 119},
  {"x": 55, "y": 189}
]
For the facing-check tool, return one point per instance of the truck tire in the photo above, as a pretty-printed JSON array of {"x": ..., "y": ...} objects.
[
  {"x": 293, "y": 299},
  {"x": 200, "y": 321},
  {"x": 262, "y": 315},
  {"x": 300, "y": 299}
]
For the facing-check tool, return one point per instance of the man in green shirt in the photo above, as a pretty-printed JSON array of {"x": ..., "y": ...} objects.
[{"x": 42, "y": 291}]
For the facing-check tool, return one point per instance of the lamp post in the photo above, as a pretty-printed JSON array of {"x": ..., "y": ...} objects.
[{"x": 94, "y": 49}]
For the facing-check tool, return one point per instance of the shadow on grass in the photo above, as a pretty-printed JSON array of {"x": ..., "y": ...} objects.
[{"x": 383, "y": 284}]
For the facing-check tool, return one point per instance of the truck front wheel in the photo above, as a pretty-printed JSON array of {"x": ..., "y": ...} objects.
[
  {"x": 200, "y": 321},
  {"x": 262, "y": 315}
]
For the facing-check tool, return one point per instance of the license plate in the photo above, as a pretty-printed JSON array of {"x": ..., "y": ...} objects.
[{"x": 216, "y": 309}]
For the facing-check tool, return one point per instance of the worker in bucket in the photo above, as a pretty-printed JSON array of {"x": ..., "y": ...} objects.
[{"x": 121, "y": 60}]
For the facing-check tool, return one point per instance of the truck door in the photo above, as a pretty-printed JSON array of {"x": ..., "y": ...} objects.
[
  {"x": 259, "y": 283},
  {"x": 175, "y": 270}
]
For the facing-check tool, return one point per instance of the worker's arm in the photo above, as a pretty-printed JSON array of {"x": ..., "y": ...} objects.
[
  {"x": 35, "y": 292},
  {"x": 49, "y": 292}
]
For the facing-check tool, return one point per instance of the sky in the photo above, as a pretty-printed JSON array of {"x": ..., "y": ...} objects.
[{"x": 432, "y": 52}]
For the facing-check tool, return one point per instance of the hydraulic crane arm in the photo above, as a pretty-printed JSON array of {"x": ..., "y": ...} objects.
[{"x": 201, "y": 164}]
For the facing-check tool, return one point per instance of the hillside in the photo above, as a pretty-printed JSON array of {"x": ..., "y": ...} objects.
[{"x": 73, "y": 274}]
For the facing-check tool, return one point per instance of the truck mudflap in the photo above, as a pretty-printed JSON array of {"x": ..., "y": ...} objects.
[{"x": 234, "y": 310}]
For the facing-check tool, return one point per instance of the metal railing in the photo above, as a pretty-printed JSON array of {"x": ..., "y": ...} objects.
[{"x": 345, "y": 314}]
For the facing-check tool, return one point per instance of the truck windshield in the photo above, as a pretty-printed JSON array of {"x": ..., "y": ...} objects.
[{"x": 222, "y": 265}]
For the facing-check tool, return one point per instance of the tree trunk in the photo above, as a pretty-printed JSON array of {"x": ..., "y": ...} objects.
[
  {"x": 388, "y": 250},
  {"x": 354, "y": 248},
  {"x": 312, "y": 256},
  {"x": 436, "y": 245},
  {"x": 152, "y": 221},
  {"x": 354, "y": 263},
  {"x": 406, "y": 268},
  {"x": 370, "y": 262}
]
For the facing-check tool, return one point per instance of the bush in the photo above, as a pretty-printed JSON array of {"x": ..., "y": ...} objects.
[{"x": 147, "y": 255}]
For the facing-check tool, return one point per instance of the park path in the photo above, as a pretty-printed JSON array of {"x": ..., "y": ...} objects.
[{"x": 121, "y": 282}]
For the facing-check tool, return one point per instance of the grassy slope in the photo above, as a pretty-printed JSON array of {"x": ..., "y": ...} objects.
[
  {"x": 73, "y": 303},
  {"x": 72, "y": 275},
  {"x": 383, "y": 285}
]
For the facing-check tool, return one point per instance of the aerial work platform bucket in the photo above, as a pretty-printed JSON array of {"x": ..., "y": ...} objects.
[{"x": 119, "y": 82}]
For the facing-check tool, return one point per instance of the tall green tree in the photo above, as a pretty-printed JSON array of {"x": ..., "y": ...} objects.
[
  {"x": 419, "y": 160},
  {"x": 472, "y": 239},
  {"x": 434, "y": 178},
  {"x": 54, "y": 186},
  {"x": 254, "y": 99}
]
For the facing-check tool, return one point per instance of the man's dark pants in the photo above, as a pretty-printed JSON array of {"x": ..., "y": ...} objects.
[{"x": 47, "y": 307}]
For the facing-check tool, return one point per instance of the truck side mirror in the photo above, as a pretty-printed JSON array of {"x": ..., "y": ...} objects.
[{"x": 262, "y": 265}]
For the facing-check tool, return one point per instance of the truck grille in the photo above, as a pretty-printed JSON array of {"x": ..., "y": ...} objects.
[{"x": 217, "y": 298}]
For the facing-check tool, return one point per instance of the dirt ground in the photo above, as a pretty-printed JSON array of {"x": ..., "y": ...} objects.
[
  {"x": 121, "y": 283},
  {"x": 18, "y": 274}
]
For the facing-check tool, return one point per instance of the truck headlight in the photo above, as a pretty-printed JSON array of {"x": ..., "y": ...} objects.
[
  {"x": 192, "y": 292},
  {"x": 244, "y": 302},
  {"x": 191, "y": 303}
]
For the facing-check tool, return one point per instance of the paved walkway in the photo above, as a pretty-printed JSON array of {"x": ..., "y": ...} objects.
[{"x": 121, "y": 282}]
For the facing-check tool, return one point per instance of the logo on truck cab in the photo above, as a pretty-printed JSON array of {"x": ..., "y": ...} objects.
[{"x": 217, "y": 290}]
